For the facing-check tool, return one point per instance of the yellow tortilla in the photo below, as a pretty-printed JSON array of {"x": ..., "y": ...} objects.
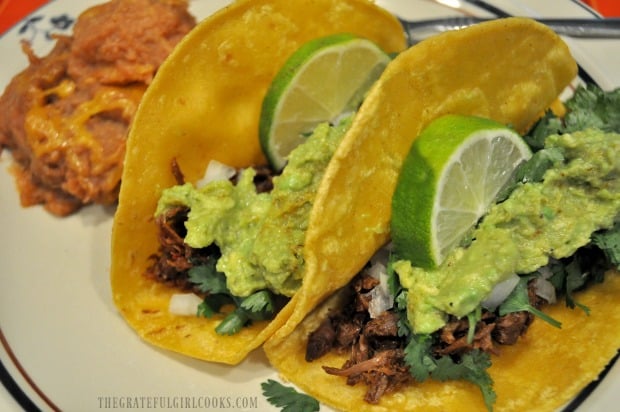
[
  {"x": 509, "y": 70},
  {"x": 543, "y": 371},
  {"x": 204, "y": 104}
]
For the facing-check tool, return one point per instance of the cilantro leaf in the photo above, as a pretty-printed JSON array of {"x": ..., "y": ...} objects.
[
  {"x": 257, "y": 306},
  {"x": 400, "y": 309},
  {"x": 213, "y": 283},
  {"x": 472, "y": 367},
  {"x": 208, "y": 279},
  {"x": 590, "y": 106},
  {"x": 587, "y": 265},
  {"x": 519, "y": 301},
  {"x": 212, "y": 304},
  {"x": 259, "y": 302},
  {"x": 400, "y": 298},
  {"x": 394, "y": 286},
  {"x": 419, "y": 358},
  {"x": 535, "y": 168},
  {"x": 609, "y": 242},
  {"x": 548, "y": 125},
  {"x": 288, "y": 398},
  {"x": 575, "y": 279},
  {"x": 233, "y": 322},
  {"x": 205, "y": 310}
]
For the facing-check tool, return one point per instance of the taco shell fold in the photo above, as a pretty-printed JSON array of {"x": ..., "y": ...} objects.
[{"x": 204, "y": 104}]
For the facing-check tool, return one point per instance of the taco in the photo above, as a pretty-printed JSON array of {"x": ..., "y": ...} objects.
[
  {"x": 204, "y": 105},
  {"x": 509, "y": 70}
]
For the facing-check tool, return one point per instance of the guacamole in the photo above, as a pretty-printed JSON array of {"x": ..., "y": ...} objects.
[
  {"x": 260, "y": 235},
  {"x": 578, "y": 195}
]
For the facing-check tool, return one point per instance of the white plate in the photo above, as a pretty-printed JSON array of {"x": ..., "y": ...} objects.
[{"x": 64, "y": 345}]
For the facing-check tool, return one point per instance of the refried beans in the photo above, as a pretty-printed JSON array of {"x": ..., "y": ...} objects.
[{"x": 65, "y": 118}]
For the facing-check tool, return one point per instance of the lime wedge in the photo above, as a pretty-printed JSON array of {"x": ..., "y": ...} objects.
[
  {"x": 323, "y": 80},
  {"x": 451, "y": 176}
]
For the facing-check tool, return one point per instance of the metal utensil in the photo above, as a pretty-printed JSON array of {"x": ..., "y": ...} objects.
[{"x": 582, "y": 28}]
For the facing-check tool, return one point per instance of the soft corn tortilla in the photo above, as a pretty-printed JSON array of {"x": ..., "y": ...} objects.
[
  {"x": 509, "y": 70},
  {"x": 204, "y": 104}
]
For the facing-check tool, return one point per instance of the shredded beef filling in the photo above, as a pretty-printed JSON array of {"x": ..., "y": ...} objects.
[{"x": 377, "y": 352}]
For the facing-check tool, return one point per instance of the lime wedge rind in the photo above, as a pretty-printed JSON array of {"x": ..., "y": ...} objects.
[
  {"x": 454, "y": 172},
  {"x": 323, "y": 79}
]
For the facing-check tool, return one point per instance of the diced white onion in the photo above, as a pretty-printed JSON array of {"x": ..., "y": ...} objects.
[
  {"x": 500, "y": 292},
  {"x": 545, "y": 290},
  {"x": 376, "y": 270},
  {"x": 545, "y": 272},
  {"x": 216, "y": 171},
  {"x": 381, "y": 299},
  {"x": 184, "y": 304}
]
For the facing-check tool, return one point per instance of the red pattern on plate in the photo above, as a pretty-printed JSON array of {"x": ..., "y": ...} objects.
[{"x": 13, "y": 11}]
